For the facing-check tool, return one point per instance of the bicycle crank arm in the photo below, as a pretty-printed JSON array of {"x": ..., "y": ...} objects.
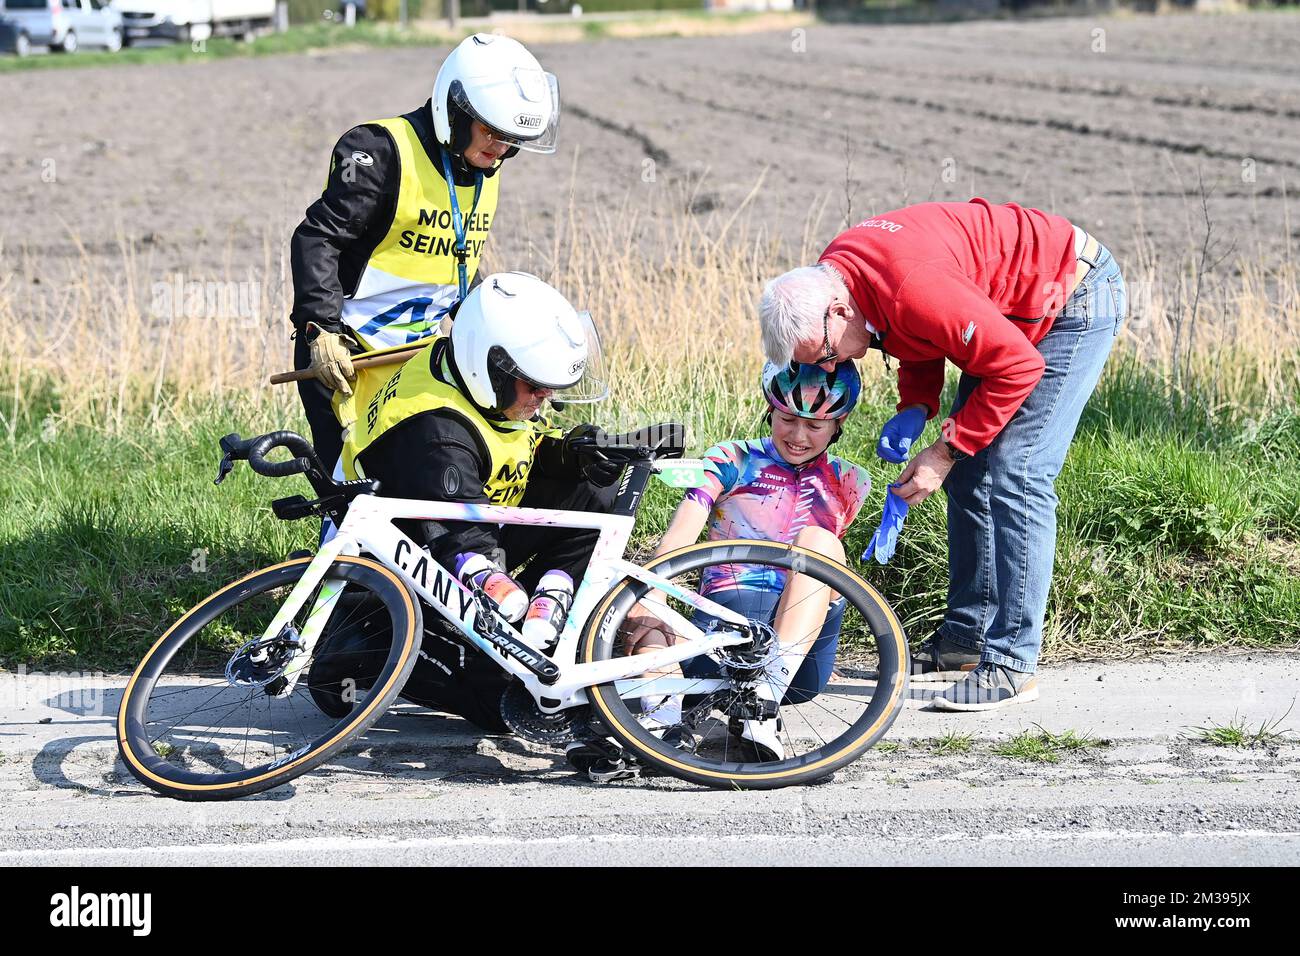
[{"x": 547, "y": 671}]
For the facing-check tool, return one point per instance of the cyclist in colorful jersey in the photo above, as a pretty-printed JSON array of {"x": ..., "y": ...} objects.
[
  {"x": 786, "y": 488},
  {"x": 394, "y": 241}
]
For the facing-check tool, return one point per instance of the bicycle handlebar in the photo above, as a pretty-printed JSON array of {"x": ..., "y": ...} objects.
[
  {"x": 255, "y": 450},
  {"x": 304, "y": 454},
  {"x": 637, "y": 449},
  {"x": 647, "y": 444}
]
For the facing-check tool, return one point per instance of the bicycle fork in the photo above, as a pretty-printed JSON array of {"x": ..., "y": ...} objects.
[{"x": 326, "y": 598}]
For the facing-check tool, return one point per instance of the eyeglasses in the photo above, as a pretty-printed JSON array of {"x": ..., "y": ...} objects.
[
  {"x": 828, "y": 354},
  {"x": 496, "y": 136},
  {"x": 532, "y": 388}
]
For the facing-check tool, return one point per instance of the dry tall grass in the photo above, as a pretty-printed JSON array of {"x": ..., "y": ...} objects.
[
  {"x": 673, "y": 294},
  {"x": 1212, "y": 320}
]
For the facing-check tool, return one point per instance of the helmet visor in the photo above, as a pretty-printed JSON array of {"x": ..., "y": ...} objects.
[
  {"x": 591, "y": 384},
  {"x": 539, "y": 87},
  {"x": 535, "y": 88},
  {"x": 594, "y": 384}
]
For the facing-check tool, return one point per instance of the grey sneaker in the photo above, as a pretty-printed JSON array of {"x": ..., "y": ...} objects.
[
  {"x": 941, "y": 659},
  {"x": 988, "y": 687}
]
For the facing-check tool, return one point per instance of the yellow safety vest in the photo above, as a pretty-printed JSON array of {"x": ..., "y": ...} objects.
[
  {"x": 411, "y": 276},
  {"x": 382, "y": 398}
]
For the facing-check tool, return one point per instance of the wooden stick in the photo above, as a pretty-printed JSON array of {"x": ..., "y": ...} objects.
[{"x": 386, "y": 357}]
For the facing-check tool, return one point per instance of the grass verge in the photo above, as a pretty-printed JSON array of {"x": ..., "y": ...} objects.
[
  {"x": 950, "y": 744},
  {"x": 1237, "y": 733}
]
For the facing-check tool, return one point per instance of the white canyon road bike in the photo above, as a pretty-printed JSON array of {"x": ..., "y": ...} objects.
[{"x": 221, "y": 707}]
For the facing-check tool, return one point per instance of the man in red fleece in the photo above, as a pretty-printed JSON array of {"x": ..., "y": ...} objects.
[{"x": 1027, "y": 305}]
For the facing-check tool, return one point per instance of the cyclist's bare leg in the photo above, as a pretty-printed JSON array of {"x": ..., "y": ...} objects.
[
  {"x": 651, "y": 634},
  {"x": 802, "y": 610},
  {"x": 798, "y": 621}
]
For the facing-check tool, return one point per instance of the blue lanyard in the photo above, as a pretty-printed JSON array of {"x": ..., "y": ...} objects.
[{"x": 458, "y": 224}]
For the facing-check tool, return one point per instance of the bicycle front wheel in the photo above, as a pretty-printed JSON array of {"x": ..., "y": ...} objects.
[
  {"x": 209, "y": 713},
  {"x": 845, "y": 696}
]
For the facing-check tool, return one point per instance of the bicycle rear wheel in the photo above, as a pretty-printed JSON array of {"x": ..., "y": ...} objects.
[
  {"x": 206, "y": 715},
  {"x": 817, "y": 732}
]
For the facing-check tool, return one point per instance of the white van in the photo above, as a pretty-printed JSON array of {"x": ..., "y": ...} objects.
[{"x": 187, "y": 20}]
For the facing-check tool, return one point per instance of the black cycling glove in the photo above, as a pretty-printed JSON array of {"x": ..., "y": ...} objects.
[{"x": 582, "y": 448}]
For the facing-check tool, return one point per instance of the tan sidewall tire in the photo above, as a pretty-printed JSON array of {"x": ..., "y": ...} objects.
[{"x": 151, "y": 770}]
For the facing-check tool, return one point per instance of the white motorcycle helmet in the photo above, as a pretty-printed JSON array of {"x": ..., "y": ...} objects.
[
  {"x": 496, "y": 80},
  {"x": 514, "y": 325}
]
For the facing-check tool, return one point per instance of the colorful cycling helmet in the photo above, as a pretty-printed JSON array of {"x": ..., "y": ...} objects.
[{"x": 809, "y": 391}]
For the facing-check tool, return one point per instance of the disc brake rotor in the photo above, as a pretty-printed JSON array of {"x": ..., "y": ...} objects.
[
  {"x": 260, "y": 662},
  {"x": 745, "y": 662}
]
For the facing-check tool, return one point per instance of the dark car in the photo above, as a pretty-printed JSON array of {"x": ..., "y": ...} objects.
[{"x": 14, "y": 38}]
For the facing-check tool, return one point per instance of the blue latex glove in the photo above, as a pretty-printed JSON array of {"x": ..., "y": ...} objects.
[
  {"x": 900, "y": 433},
  {"x": 885, "y": 539}
]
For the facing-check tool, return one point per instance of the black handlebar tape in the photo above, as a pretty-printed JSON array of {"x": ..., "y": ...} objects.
[
  {"x": 659, "y": 437},
  {"x": 302, "y": 449},
  {"x": 279, "y": 469},
  {"x": 295, "y": 443}
]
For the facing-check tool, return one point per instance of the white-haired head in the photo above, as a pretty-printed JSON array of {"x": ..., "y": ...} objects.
[{"x": 793, "y": 306}]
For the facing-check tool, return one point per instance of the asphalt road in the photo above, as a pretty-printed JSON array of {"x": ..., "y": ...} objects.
[{"x": 424, "y": 790}]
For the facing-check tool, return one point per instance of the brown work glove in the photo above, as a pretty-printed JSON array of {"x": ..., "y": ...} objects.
[{"x": 331, "y": 362}]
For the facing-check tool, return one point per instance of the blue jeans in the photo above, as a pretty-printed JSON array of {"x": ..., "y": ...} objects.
[
  {"x": 813, "y": 673},
  {"x": 1002, "y": 501}
]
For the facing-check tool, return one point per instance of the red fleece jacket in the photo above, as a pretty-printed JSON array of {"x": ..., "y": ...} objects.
[{"x": 975, "y": 283}]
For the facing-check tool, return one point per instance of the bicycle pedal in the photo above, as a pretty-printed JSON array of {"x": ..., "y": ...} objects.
[
  {"x": 608, "y": 771},
  {"x": 601, "y": 760}
]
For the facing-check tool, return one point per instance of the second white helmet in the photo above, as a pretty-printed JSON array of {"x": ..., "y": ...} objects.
[
  {"x": 513, "y": 325},
  {"x": 496, "y": 80}
]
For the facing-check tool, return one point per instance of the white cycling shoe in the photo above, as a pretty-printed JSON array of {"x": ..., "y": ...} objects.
[
  {"x": 673, "y": 733},
  {"x": 763, "y": 735}
]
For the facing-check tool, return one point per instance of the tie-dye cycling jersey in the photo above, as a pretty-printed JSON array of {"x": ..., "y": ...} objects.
[{"x": 753, "y": 493}]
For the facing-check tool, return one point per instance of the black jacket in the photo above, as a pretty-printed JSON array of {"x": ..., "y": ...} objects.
[{"x": 340, "y": 230}]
